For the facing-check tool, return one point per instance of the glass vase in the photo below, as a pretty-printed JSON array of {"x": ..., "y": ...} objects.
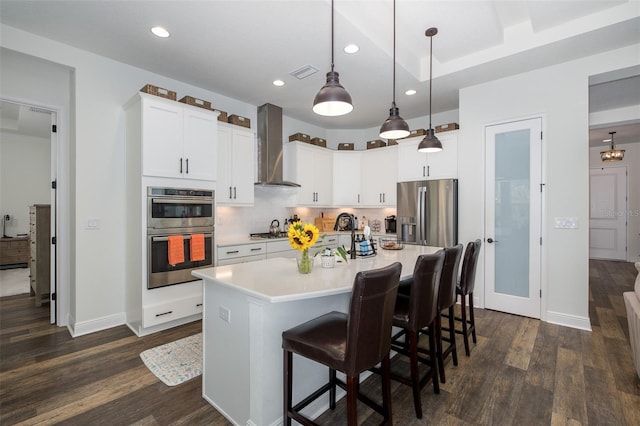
[{"x": 305, "y": 263}]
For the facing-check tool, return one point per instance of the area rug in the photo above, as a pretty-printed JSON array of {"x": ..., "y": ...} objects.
[{"x": 175, "y": 362}]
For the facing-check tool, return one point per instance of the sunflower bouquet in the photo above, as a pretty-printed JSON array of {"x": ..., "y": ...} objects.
[{"x": 304, "y": 236}]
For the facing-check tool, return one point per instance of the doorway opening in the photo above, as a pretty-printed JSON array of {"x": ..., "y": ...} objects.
[{"x": 28, "y": 156}]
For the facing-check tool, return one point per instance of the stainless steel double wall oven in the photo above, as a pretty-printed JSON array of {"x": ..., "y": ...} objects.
[{"x": 177, "y": 211}]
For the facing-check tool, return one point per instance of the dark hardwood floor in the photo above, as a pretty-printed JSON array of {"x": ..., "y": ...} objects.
[{"x": 521, "y": 371}]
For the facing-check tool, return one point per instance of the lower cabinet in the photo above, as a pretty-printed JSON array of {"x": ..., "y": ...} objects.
[
  {"x": 240, "y": 253},
  {"x": 170, "y": 311}
]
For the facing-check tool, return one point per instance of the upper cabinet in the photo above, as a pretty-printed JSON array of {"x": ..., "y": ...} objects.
[
  {"x": 413, "y": 165},
  {"x": 347, "y": 178},
  {"x": 379, "y": 177},
  {"x": 312, "y": 168},
  {"x": 236, "y": 165},
  {"x": 178, "y": 140}
]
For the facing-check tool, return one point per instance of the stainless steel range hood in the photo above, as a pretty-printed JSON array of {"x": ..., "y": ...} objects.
[{"x": 270, "y": 147}]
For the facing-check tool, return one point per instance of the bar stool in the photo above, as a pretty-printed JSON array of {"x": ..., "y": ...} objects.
[
  {"x": 446, "y": 300},
  {"x": 464, "y": 289},
  {"x": 415, "y": 314},
  {"x": 350, "y": 343}
]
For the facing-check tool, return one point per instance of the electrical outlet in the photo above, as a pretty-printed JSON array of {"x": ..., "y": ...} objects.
[{"x": 225, "y": 314}]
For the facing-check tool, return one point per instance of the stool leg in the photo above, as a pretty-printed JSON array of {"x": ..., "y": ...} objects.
[
  {"x": 472, "y": 321},
  {"x": 433, "y": 359},
  {"x": 438, "y": 330},
  {"x": 288, "y": 358},
  {"x": 452, "y": 336},
  {"x": 463, "y": 308},
  {"x": 332, "y": 389},
  {"x": 386, "y": 389},
  {"x": 413, "y": 368},
  {"x": 352, "y": 400}
]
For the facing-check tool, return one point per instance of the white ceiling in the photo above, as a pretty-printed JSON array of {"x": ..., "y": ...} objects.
[{"x": 237, "y": 48}]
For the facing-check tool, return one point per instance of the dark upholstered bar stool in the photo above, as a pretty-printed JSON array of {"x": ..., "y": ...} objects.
[
  {"x": 350, "y": 343},
  {"x": 413, "y": 313},
  {"x": 465, "y": 290},
  {"x": 447, "y": 300}
]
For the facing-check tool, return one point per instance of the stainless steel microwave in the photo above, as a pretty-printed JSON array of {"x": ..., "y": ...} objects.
[{"x": 179, "y": 208}]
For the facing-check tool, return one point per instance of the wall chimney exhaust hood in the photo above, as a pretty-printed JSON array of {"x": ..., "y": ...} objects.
[{"x": 270, "y": 147}]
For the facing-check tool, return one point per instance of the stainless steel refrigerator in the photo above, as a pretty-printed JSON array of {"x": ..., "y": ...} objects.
[{"x": 427, "y": 212}]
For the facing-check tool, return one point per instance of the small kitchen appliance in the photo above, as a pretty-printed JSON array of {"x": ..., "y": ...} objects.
[{"x": 390, "y": 224}]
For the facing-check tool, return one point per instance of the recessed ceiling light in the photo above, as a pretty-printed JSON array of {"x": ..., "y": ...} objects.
[
  {"x": 410, "y": 92},
  {"x": 160, "y": 32},
  {"x": 351, "y": 48},
  {"x": 278, "y": 83}
]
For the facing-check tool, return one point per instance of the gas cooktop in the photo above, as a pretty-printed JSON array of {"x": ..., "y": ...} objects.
[{"x": 267, "y": 235}]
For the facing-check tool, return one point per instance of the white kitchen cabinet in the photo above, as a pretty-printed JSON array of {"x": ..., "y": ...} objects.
[
  {"x": 236, "y": 166},
  {"x": 281, "y": 248},
  {"x": 413, "y": 165},
  {"x": 347, "y": 177},
  {"x": 312, "y": 168},
  {"x": 178, "y": 140},
  {"x": 240, "y": 253},
  {"x": 379, "y": 177}
]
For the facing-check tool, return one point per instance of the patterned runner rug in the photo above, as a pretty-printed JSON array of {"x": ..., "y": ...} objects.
[{"x": 175, "y": 362}]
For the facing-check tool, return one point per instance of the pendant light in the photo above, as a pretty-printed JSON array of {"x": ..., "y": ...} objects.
[
  {"x": 430, "y": 143},
  {"x": 394, "y": 127},
  {"x": 612, "y": 154},
  {"x": 332, "y": 99}
]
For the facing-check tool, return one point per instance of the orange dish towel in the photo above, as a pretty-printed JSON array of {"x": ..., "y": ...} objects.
[
  {"x": 176, "y": 249},
  {"x": 197, "y": 247}
]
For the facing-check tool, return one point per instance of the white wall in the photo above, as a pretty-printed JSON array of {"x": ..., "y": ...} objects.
[
  {"x": 25, "y": 168},
  {"x": 560, "y": 94},
  {"x": 632, "y": 162}
]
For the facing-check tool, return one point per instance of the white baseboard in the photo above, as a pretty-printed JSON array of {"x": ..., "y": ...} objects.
[
  {"x": 85, "y": 327},
  {"x": 573, "y": 321}
]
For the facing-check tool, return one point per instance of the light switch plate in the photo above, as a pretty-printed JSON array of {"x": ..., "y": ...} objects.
[{"x": 565, "y": 222}]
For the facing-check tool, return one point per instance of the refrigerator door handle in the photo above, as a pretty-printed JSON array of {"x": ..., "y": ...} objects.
[{"x": 422, "y": 198}]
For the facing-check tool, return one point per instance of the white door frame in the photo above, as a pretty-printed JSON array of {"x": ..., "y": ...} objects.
[
  {"x": 537, "y": 305},
  {"x": 59, "y": 157}
]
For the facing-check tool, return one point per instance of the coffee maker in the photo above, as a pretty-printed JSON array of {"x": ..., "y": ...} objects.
[{"x": 390, "y": 224}]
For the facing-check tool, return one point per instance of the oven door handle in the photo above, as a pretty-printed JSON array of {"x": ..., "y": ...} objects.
[
  {"x": 181, "y": 201},
  {"x": 186, "y": 237}
]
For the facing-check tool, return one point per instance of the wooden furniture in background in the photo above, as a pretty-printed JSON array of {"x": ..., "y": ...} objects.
[
  {"x": 40, "y": 234},
  {"x": 14, "y": 251}
]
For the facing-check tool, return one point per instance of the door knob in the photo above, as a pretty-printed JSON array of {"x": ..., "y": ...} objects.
[{"x": 491, "y": 240}]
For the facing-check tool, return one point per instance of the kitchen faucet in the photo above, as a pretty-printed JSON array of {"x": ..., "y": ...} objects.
[{"x": 353, "y": 236}]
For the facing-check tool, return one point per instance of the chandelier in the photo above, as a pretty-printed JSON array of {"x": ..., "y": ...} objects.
[{"x": 612, "y": 154}]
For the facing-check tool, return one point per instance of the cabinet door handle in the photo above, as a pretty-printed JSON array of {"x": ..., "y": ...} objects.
[
  {"x": 256, "y": 249},
  {"x": 424, "y": 171},
  {"x": 234, "y": 192},
  {"x": 384, "y": 197},
  {"x": 428, "y": 170},
  {"x": 187, "y": 166},
  {"x": 233, "y": 252},
  {"x": 198, "y": 305},
  {"x": 180, "y": 165},
  {"x": 164, "y": 313},
  {"x": 358, "y": 198},
  {"x": 230, "y": 197}
]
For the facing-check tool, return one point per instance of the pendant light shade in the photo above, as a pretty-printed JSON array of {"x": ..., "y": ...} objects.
[
  {"x": 394, "y": 127},
  {"x": 430, "y": 143},
  {"x": 612, "y": 154},
  {"x": 332, "y": 99}
]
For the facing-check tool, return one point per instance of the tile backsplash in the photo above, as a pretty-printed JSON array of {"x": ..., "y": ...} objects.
[{"x": 273, "y": 203}]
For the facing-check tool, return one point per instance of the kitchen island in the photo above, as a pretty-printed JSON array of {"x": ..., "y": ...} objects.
[{"x": 246, "y": 308}]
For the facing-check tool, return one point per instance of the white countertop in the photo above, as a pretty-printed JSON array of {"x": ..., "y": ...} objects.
[{"x": 278, "y": 280}]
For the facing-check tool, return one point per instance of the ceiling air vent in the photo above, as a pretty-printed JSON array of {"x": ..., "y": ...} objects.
[{"x": 304, "y": 71}]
